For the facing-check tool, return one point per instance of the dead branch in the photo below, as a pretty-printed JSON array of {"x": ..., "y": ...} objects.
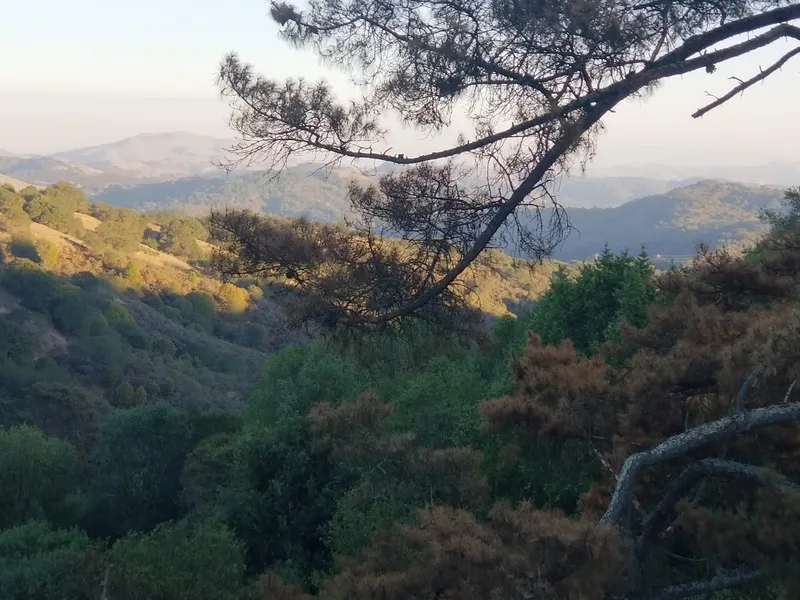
[
  {"x": 691, "y": 475},
  {"x": 746, "y": 84},
  {"x": 680, "y": 445},
  {"x": 714, "y": 584},
  {"x": 744, "y": 391}
]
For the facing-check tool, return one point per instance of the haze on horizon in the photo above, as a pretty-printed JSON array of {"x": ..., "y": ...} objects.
[{"x": 102, "y": 71}]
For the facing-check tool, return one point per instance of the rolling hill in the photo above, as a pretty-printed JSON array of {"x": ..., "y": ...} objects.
[
  {"x": 152, "y": 155},
  {"x": 139, "y": 159},
  {"x": 298, "y": 192},
  {"x": 672, "y": 223},
  {"x": 668, "y": 210},
  {"x": 15, "y": 183},
  {"x": 669, "y": 217}
]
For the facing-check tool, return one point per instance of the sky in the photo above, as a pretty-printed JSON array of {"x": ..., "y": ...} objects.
[{"x": 88, "y": 72}]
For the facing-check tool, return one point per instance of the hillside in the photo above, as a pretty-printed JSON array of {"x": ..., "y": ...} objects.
[
  {"x": 307, "y": 190},
  {"x": 45, "y": 170},
  {"x": 142, "y": 158},
  {"x": 15, "y": 183},
  {"x": 672, "y": 223},
  {"x": 781, "y": 173},
  {"x": 102, "y": 320},
  {"x": 107, "y": 308},
  {"x": 669, "y": 221},
  {"x": 298, "y": 192},
  {"x": 155, "y": 155}
]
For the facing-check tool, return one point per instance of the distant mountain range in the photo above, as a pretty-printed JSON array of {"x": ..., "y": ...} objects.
[
  {"x": 164, "y": 155},
  {"x": 785, "y": 174},
  {"x": 138, "y": 159},
  {"x": 669, "y": 209}
]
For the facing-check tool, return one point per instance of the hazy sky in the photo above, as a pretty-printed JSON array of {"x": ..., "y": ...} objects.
[{"x": 87, "y": 72}]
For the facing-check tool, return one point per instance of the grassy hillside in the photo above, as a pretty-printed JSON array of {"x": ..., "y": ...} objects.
[
  {"x": 105, "y": 307},
  {"x": 93, "y": 320},
  {"x": 45, "y": 170}
]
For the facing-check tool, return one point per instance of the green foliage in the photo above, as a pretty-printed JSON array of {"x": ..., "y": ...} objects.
[
  {"x": 233, "y": 298},
  {"x": 201, "y": 309},
  {"x": 151, "y": 242},
  {"x": 120, "y": 228},
  {"x": 41, "y": 563},
  {"x": 36, "y": 475},
  {"x": 56, "y": 210},
  {"x": 589, "y": 308},
  {"x": 298, "y": 377},
  {"x": 123, "y": 395},
  {"x": 300, "y": 191},
  {"x": 207, "y": 472},
  {"x": 136, "y": 469},
  {"x": 69, "y": 195},
  {"x": 139, "y": 395},
  {"x": 28, "y": 193},
  {"x": 48, "y": 252},
  {"x": 16, "y": 343},
  {"x": 541, "y": 472},
  {"x": 23, "y": 246},
  {"x": 179, "y": 237},
  {"x": 133, "y": 273},
  {"x": 61, "y": 407},
  {"x": 12, "y": 206},
  {"x": 281, "y": 490},
  {"x": 440, "y": 403},
  {"x": 788, "y": 217},
  {"x": 178, "y": 561}
]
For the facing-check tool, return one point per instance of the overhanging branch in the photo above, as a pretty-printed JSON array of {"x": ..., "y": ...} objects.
[
  {"x": 680, "y": 445},
  {"x": 691, "y": 475},
  {"x": 746, "y": 84}
]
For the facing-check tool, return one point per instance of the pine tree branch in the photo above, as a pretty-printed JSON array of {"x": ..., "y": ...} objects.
[
  {"x": 672, "y": 64},
  {"x": 691, "y": 475},
  {"x": 680, "y": 445},
  {"x": 746, "y": 84}
]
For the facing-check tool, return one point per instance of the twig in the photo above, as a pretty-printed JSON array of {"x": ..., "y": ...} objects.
[
  {"x": 744, "y": 391},
  {"x": 746, "y": 84},
  {"x": 789, "y": 391},
  {"x": 104, "y": 593}
]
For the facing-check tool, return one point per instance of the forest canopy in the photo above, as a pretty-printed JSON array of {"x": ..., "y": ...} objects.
[{"x": 634, "y": 435}]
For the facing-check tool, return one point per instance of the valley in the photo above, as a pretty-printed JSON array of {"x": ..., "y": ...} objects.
[{"x": 176, "y": 173}]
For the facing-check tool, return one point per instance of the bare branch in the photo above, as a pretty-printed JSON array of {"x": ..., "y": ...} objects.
[
  {"x": 714, "y": 584},
  {"x": 744, "y": 391},
  {"x": 746, "y": 84},
  {"x": 680, "y": 445},
  {"x": 691, "y": 475}
]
